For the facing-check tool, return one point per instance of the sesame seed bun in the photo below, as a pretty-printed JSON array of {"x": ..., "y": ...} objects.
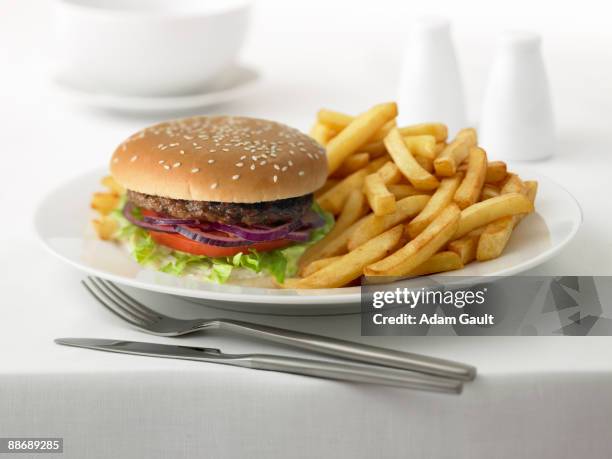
[{"x": 220, "y": 158}]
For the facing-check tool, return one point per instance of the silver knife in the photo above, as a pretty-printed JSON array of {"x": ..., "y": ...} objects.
[{"x": 353, "y": 372}]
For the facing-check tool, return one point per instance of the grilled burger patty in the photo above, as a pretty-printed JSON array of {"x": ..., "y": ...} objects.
[{"x": 267, "y": 213}]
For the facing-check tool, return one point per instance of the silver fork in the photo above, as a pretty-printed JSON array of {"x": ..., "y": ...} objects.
[{"x": 149, "y": 321}]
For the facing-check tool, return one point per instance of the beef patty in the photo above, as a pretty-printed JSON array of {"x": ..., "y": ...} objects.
[{"x": 265, "y": 213}]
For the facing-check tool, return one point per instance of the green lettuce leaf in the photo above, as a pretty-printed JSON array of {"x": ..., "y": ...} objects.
[{"x": 279, "y": 263}]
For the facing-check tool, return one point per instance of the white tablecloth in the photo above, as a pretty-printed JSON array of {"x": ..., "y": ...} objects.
[{"x": 534, "y": 397}]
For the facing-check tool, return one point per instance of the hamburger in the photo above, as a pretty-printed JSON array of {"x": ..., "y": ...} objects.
[{"x": 220, "y": 196}]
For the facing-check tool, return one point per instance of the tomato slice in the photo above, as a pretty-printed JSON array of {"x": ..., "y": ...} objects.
[{"x": 183, "y": 244}]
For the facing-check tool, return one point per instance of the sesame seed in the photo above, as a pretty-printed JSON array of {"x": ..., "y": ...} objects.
[
  {"x": 225, "y": 149},
  {"x": 195, "y": 170},
  {"x": 134, "y": 158},
  {"x": 235, "y": 177},
  {"x": 182, "y": 152},
  {"x": 290, "y": 163},
  {"x": 252, "y": 167},
  {"x": 277, "y": 167},
  {"x": 284, "y": 168},
  {"x": 239, "y": 164},
  {"x": 166, "y": 167},
  {"x": 211, "y": 161},
  {"x": 263, "y": 163},
  {"x": 243, "y": 157},
  {"x": 300, "y": 173},
  {"x": 275, "y": 178},
  {"x": 161, "y": 161},
  {"x": 177, "y": 164},
  {"x": 214, "y": 185}
]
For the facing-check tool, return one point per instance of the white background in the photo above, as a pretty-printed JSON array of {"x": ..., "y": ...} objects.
[{"x": 535, "y": 395}]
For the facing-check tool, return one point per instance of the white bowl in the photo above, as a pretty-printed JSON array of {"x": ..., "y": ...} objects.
[{"x": 147, "y": 47}]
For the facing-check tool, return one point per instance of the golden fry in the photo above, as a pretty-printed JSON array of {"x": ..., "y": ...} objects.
[
  {"x": 402, "y": 191},
  {"x": 452, "y": 156},
  {"x": 421, "y": 248},
  {"x": 351, "y": 265},
  {"x": 376, "y": 164},
  {"x": 438, "y": 130},
  {"x": 442, "y": 197},
  {"x": 330, "y": 183},
  {"x": 334, "y": 198},
  {"x": 496, "y": 172},
  {"x": 484, "y": 212},
  {"x": 488, "y": 191},
  {"x": 466, "y": 246},
  {"x": 335, "y": 121},
  {"x": 105, "y": 227},
  {"x": 375, "y": 149},
  {"x": 352, "y": 164},
  {"x": 471, "y": 186},
  {"x": 439, "y": 263},
  {"x": 425, "y": 163},
  {"x": 357, "y": 133},
  {"x": 112, "y": 185},
  {"x": 412, "y": 170},
  {"x": 422, "y": 145},
  {"x": 317, "y": 265},
  {"x": 381, "y": 200},
  {"x": 390, "y": 173},
  {"x": 104, "y": 203},
  {"x": 372, "y": 225},
  {"x": 321, "y": 133}
]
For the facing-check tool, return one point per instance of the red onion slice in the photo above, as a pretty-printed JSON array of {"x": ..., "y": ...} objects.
[
  {"x": 127, "y": 213},
  {"x": 299, "y": 236},
  {"x": 207, "y": 237},
  {"x": 258, "y": 234}
]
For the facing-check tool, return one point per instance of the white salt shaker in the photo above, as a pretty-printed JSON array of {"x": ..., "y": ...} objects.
[
  {"x": 517, "y": 120},
  {"x": 430, "y": 86}
]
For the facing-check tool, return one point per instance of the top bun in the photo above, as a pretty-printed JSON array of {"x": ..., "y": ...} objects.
[{"x": 220, "y": 158}]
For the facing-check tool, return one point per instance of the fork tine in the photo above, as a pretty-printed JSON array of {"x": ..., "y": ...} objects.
[
  {"x": 119, "y": 303},
  {"x": 93, "y": 290},
  {"x": 131, "y": 300}
]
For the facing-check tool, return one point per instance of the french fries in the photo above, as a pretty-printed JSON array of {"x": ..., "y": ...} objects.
[
  {"x": 471, "y": 187},
  {"x": 357, "y": 133},
  {"x": 484, "y": 212},
  {"x": 452, "y": 156},
  {"x": 442, "y": 197},
  {"x": 373, "y": 225},
  {"x": 421, "y": 248},
  {"x": 422, "y": 145},
  {"x": 351, "y": 266},
  {"x": 351, "y": 212},
  {"x": 352, "y": 164},
  {"x": 454, "y": 205},
  {"x": 416, "y": 175},
  {"x": 334, "y": 198},
  {"x": 381, "y": 200}
]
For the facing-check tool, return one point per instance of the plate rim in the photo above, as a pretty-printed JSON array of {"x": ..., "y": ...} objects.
[{"x": 343, "y": 295}]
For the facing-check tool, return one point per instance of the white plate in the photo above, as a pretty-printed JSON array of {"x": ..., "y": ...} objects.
[
  {"x": 232, "y": 84},
  {"x": 62, "y": 223}
]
